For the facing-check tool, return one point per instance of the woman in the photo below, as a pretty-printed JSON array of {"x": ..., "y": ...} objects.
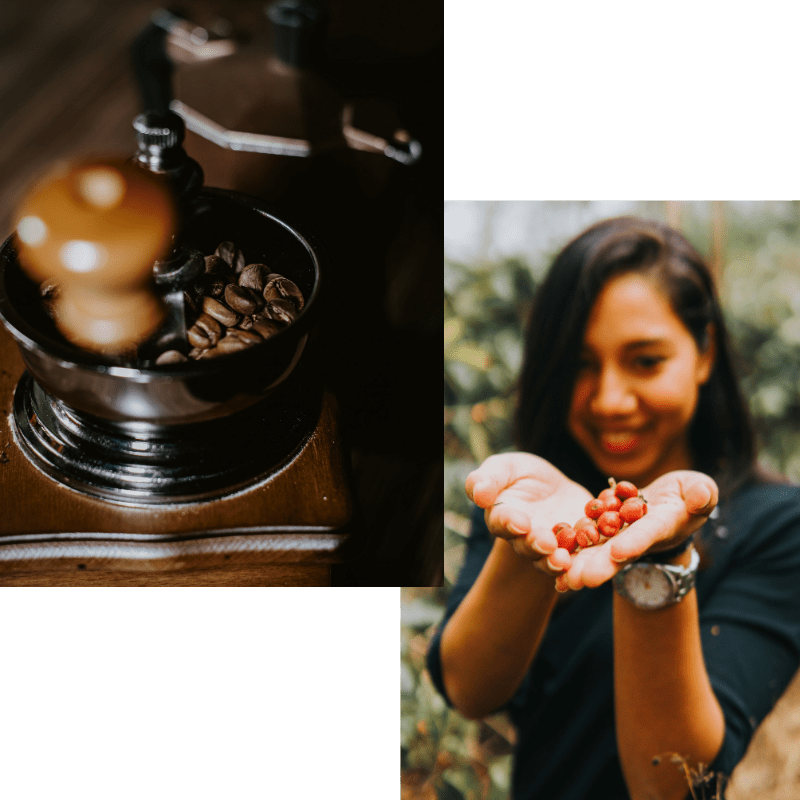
[{"x": 627, "y": 374}]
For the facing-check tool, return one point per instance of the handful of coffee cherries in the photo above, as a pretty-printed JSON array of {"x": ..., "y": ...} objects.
[{"x": 606, "y": 515}]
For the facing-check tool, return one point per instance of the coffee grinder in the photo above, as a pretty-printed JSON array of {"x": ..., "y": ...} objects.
[{"x": 118, "y": 470}]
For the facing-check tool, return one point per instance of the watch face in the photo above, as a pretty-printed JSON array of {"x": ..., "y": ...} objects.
[{"x": 648, "y": 586}]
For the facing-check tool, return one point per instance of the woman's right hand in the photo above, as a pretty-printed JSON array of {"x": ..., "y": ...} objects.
[{"x": 524, "y": 497}]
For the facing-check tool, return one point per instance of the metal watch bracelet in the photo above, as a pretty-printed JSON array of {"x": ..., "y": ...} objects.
[{"x": 681, "y": 579}]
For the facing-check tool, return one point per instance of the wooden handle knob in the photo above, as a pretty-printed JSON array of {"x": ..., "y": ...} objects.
[{"x": 95, "y": 228}]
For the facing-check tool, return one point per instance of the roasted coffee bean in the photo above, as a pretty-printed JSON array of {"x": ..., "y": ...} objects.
[
  {"x": 211, "y": 285},
  {"x": 230, "y": 313},
  {"x": 210, "y": 327},
  {"x": 279, "y": 310},
  {"x": 171, "y": 357},
  {"x": 198, "y": 337},
  {"x": 280, "y": 288},
  {"x": 266, "y": 328},
  {"x": 242, "y": 299},
  {"x": 226, "y": 251},
  {"x": 230, "y": 253},
  {"x": 231, "y": 343},
  {"x": 216, "y": 265},
  {"x": 254, "y": 276},
  {"x": 220, "y": 311},
  {"x": 248, "y": 337},
  {"x": 210, "y": 352}
]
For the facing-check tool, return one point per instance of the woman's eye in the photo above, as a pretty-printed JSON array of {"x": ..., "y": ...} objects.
[{"x": 648, "y": 362}]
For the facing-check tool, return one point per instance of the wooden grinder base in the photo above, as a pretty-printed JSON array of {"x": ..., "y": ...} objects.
[{"x": 285, "y": 531}]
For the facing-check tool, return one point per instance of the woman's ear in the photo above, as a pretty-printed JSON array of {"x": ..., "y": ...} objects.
[{"x": 707, "y": 358}]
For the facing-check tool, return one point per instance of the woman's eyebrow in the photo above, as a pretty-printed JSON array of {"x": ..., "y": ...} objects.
[
  {"x": 586, "y": 349},
  {"x": 639, "y": 343}
]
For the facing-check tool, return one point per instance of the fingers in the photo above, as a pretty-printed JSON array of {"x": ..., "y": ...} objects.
[
  {"x": 635, "y": 540},
  {"x": 514, "y": 525},
  {"x": 700, "y": 494},
  {"x": 677, "y": 509},
  {"x": 484, "y": 484},
  {"x": 590, "y": 568},
  {"x": 680, "y": 501},
  {"x": 553, "y": 564},
  {"x": 508, "y": 522},
  {"x": 559, "y": 560}
]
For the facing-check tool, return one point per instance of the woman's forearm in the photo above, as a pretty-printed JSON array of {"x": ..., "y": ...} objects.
[
  {"x": 664, "y": 702},
  {"x": 490, "y": 641}
]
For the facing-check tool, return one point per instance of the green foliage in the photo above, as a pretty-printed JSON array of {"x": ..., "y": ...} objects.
[{"x": 443, "y": 755}]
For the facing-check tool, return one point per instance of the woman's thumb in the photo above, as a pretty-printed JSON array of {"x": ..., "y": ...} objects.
[
  {"x": 480, "y": 489},
  {"x": 701, "y": 496}
]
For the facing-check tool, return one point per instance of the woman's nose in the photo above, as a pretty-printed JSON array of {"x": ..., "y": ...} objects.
[{"x": 612, "y": 395}]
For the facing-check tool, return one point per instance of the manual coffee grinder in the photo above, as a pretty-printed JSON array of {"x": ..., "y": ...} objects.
[{"x": 163, "y": 462}]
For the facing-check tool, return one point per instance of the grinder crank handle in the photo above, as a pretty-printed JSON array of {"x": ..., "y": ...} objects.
[
  {"x": 95, "y": 229},
  {"x": 159, "y": 135}
]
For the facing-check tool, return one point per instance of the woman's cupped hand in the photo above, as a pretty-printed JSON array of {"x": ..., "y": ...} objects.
[{"x": 524, "y": 496}]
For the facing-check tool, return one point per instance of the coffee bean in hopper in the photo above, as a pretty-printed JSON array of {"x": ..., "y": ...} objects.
[
  {"x": 254, "y": 276},
  {"x": 266, "y": 328},
  {"x": 280, "y": 311},
  {"x": 241, "y": 299},
  {"x": 171, "y": 357},
  {"x": 230, "y": 253},
  {"x": 220, "y": 311},
  {"x": 280, "y": 288},
  {"x": 233, "y": 313}
]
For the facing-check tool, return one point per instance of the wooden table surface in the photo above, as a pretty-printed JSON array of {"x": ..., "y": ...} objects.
[{"x": 67, "y": 89}]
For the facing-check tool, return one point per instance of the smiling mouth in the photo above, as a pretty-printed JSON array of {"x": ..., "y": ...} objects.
[{"x": 617, "y": 443}]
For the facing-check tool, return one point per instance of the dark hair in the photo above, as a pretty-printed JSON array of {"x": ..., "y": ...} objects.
[{"x": 721, "y": 433}]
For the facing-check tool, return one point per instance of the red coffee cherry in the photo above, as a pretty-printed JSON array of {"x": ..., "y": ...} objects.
[
  {"x": 612, "y": 502},
  {"x": 632, "y": 509},
  {"x": 594, "y": 508},
  {"x": 582, "y": 538},
  {"x": 567, "y": 538},
  {"x": 559, "y": 525},
  {"x": 609, "y": 523},
  {"x": 589, "y": 528},
  {"x": 625, "y": 489}
]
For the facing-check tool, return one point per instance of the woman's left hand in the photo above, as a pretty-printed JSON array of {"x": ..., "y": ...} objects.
[{"x": 678, "y": 504}]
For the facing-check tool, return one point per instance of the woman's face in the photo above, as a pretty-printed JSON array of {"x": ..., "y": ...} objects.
[{"x": 638, "y": 382}]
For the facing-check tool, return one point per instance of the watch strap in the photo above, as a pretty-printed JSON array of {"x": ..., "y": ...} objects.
[
  {"x": 663, "y": 556},
  {"x": 685, "y": 575}
]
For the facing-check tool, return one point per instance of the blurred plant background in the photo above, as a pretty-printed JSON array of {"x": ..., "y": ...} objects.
[{"x": 496, "y": 253}]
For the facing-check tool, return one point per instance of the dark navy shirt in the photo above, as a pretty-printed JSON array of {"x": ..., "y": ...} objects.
[{"x": 749, "y": 602}]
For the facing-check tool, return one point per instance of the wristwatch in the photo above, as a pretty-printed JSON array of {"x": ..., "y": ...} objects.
[{"x": 651, "y": 585}]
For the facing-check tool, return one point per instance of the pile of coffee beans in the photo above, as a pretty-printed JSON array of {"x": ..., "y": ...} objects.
[
  {"x": 606, "y": 515},
  {"x": 231, "y": 306},
  {"x": 234, "y": 305}
]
